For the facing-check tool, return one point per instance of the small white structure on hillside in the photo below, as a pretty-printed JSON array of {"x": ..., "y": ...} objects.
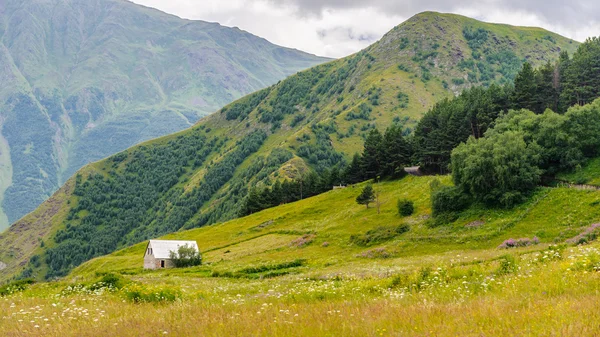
[{"x": 158, "y": 252}]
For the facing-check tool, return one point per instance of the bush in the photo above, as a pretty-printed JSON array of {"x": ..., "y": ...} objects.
[
  {"x": 186, "y": 256},
  {"x": 588, "y": 235},
  {"x": 448, "y": 199},
  {"x": 499, "y": 170},
  {"x": 140, "y": 295},
  {"x": 405, "y": 207},
  {"x": 442, "y": 219},
  {"x": 523, "y": 242},
  {"x": 15, "y": 287},
  {"x": 379, "y": 234},
  {"x": 110, "y": 281}
]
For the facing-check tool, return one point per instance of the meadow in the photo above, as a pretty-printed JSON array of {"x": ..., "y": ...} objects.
[{"x": 298, "y": 270}]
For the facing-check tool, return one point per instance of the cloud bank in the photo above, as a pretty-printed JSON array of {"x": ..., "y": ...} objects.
[{"x": 337, "y": 28}]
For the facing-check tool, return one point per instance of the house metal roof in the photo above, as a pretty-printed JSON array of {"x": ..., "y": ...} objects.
[{"x": 161, "y": 249}]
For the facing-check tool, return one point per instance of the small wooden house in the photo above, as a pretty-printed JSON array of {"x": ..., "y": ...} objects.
[{"x": 158, "y": 253}]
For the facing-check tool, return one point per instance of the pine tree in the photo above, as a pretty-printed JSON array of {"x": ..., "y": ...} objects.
[
  {"x": 367, "y": 196},
  {"x": 371, "y": 158},
  {"x": 396, "y": 152},
  {"x": 525, "y": 89},
  {"x": 353, "y": 173}
]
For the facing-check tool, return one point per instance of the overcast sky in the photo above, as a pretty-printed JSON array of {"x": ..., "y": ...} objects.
[{"x": 337, "y": 28}]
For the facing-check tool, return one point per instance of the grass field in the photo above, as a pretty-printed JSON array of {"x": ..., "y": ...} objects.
[{"x": 294, "y": 271}]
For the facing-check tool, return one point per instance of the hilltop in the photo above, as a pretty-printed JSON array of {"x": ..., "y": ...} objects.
[
  {"x": 85, "y": 79},
  {"x": 314, "y": 120}
]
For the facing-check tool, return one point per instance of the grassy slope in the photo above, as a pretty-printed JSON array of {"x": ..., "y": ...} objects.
[
  {"x": 552, "y": 214},
  {"x": 588, "y": 174},
  {"x": 374, "y": 69},
  {"x": 95, "y": 77},
  {"x": 445, "y": 281}
]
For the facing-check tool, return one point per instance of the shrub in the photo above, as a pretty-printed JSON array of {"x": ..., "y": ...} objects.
[
  {"x": 186, "y": 256},
  {"x": 141, "y": 295},
  {"x": 508, "y": 265},
  {"x": 448, "y": 199},
  {"x": 377, "y": 253},
  {"x": 379, "y": 234},
  {"x": 588, "y": 235},
  {"x": 405, "y": 207},
  {"x": 523, "y": 242},
  {"x": 442, "y": 219},
  {"x": 15, "y": 287},
  {"x": 110, "y": 281},
  {"x": 303, "y": 241}
]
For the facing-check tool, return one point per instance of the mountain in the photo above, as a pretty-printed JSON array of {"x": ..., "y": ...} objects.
[
  {"x": 84, "y": 79},
  {"x": 314, "y": 120}
]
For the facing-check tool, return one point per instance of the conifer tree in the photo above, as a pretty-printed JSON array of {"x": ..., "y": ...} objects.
[
  {"x": 371, "y": 158},
  {"x": 353, "y": 173},
  {"x": 367, "y": 196},
  {"x": 395, "y": 152},
  {"x": 525, "y": 89}
]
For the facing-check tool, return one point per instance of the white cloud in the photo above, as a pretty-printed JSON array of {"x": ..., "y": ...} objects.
[{"x": 337, "y": 28}]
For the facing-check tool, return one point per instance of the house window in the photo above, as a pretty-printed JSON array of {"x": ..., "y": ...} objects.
[{"x": 162, "y": 263}]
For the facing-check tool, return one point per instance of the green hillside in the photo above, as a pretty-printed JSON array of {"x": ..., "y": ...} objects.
[
  {"x": 84, "y": 79},
  {"x": 314, "y": 120},
  {"x": 329, "y": 266},
  {"x": 327, "y": 223}
]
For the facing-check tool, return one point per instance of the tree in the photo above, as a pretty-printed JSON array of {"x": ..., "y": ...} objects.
[
  {"x": 186, "y": 256},
  {"x": 353, "y": 173},
  {"x": 524, "y": 96},
  {"x": 371, "y": 158},
  {"x": 395, "y": 152},
  {"x": 367, "y": 196},
  {"x": 498, "y": 170}
]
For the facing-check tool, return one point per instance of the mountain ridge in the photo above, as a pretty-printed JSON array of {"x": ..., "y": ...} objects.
[
  {"x": 313, "y": 120},
  {"x": 99, "y": 76}
]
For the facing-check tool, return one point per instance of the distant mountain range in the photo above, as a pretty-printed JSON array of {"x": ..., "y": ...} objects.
[
  {"x": 84, "y": 79},
  {"x": 313, "y": 120}
]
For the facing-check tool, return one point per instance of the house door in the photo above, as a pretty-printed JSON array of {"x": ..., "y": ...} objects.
[{"x": 162, "y": 263}]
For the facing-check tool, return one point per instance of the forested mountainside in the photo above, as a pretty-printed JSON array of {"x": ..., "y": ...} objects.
[
  {"x": 314, "y": 120},
  {"x": 84, "y": 79}
]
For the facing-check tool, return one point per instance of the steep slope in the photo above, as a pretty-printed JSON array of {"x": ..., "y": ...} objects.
[
  {"x": 312, "y": 120},
  {"x": 86, "y": 79}
]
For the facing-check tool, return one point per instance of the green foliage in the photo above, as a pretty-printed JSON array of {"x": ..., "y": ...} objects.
[
  {"x": 447, "y": 199},
  {"x": 580, "y": 79},
  {"x": 451, "y": 122},
  {"x": 160, "y": 296},
  {"x": 363, "y": 111},
  {"x": 15, "y": 287},
  {"x": 128, "y": 207},
  {"x": 243, "y": 107},
  {"x": 378, "y": 235},
  {"x": 499, "y": 170},
  {"x": 109, "y": 281},
  {"x": 186, "y": 256},
  {"x": 405, "y": 207},
  {"x": 508, "y": 265},
  {"x": 287, "y": 191},
  {"x": 372, "y": 155},
  {"x": 321, "y": 154},
  {"x": 156, "y": 88},
  {"x": 367, "y": 196},
  {"x": 262, "y": 272},
  {"x": 475, "y": 37}
]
